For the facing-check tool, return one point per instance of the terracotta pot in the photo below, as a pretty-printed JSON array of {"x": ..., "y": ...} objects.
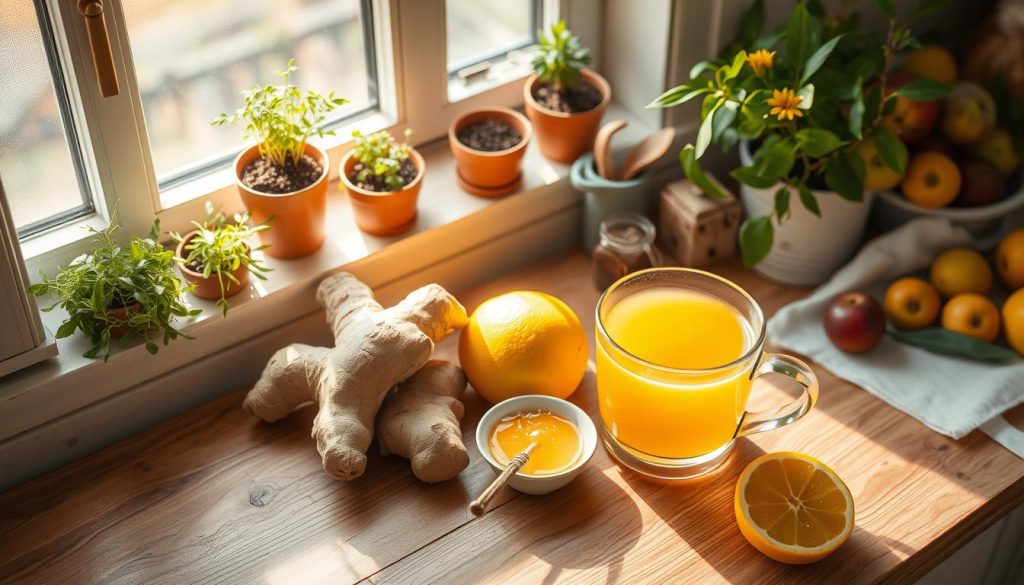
[
  {"x": 299, "y": 217},
  {"x": 209, "y": 287},
  {"x": 564, "y": 137},
  {"x": 122, "y": 313},
  {"x": 384, "y": 213},
  {"x": 489, "y": 173}
]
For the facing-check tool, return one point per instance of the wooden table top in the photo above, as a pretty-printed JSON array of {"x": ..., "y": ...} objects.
[{"x": 215, "y": 496}]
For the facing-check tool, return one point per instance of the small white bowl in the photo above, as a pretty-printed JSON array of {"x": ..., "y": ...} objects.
[{"x": 537, "y": 484}]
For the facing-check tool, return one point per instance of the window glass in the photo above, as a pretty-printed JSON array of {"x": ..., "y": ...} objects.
[
  {"x": 193, "y": 57},
  {"x": 37, "y": 165},
  {"x": 479, "y": 30}
]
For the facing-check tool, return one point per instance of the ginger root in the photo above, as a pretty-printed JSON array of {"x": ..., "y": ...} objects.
[
  {"x": 375, "y": 349},
  {"x": 420, "y": 422}
]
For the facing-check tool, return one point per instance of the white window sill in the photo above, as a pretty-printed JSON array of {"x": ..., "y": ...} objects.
[{"x": 450, "y": 222}]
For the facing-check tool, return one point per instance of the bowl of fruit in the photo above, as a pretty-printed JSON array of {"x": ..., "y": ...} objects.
[
  {"x": 958, "y": 308},
  {"x": 963, "y": 161}
]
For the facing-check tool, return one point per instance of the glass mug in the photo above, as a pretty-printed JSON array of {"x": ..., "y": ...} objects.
[{"x": 672, "y": 423}]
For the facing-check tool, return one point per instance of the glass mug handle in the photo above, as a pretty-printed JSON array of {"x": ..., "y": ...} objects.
[{"x": 774, "y": 363}]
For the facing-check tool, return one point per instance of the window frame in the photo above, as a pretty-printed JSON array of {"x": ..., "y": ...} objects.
[{"x": 412, "y": 79}]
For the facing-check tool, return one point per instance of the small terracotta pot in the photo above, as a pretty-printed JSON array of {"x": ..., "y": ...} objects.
[
  {"x": 122, "y": 313},
  {"x": 299, "y": 217},
  {"x": 209, "y": 287},
  {"x": 564, "y": 137},
  {"x": 489, "y": 173},
  {"x": 384, "y": 213}
]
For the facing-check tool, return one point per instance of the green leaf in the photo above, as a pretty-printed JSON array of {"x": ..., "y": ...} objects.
[
  {"x": 748, "y": 176},
  {"x": 927, "y": 7},
  {"x": 731, "y": 71},
  {"x": 857, "y": 112},
  {"x": 677, "y": 95},
  {"x": 806, "y": 92},
  {"x": 845, "y": 175},
  {"x": 888, "y": 7},
  {"x": 723, "y": 119},
  {"x": 775, "y": 160},
  {"x": 66, "y": 329},
  {"x": 808, "y": 199},
  {"x": 891, "y": 150},
  {"x": 782, "y": 203},
  {"x": 872, "y": 103},
  {"x": 818, "y": 58},
  {"x": 701, "y": 67},
  {"x": 924, "y": 90},
  {"x": 756, "y": 235},
  {"x": 693, "y": 172},
  {"x": 946, "y": 342},
  {"x": 752, "y": 23},
  {"x": 802, "y": 37},
  {"x": 818, "y": 142},
  {"x": 705, "y": 132}
]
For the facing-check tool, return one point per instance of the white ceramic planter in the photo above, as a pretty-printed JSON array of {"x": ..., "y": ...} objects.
[{"x": 807, "y": 249}]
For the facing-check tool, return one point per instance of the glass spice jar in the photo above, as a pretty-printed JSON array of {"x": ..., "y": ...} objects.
[{"x": 626, "y": 245}]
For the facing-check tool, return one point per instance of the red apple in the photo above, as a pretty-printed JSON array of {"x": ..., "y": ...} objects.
[
  {"x": 981, "y": 184},
  {"x": 911, "y": 121},
  {"x": 854, "y": 321}
]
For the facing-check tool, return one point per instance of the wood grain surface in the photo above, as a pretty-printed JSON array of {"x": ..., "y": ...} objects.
[{"x": 215, "y": 496}]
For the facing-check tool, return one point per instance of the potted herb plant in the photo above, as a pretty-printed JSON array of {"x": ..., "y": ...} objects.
[
  {"x": 215, "y": 258},
  {"x": 489, "y": 144},
  {"x": 119, "y": 291},
  {"x": 564, "y": 100},
  {"x": 284, "y": 176},
  {"x": 382, "y": 177},
  {"x": 818, "y": 124}
]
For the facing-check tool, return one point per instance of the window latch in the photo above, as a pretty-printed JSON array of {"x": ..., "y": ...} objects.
[{"x": 99, "y": 43}]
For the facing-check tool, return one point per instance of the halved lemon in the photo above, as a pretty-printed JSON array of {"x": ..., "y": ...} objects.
[{"x": 793, "y": 508}]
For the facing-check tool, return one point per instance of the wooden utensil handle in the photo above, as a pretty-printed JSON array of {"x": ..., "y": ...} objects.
[
  {"x": 478, "y": 506},
  {"x": 99, "y": 43}
]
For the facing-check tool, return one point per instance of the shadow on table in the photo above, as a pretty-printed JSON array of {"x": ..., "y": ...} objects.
[
  {"x": 590, "y": 523},
  {"x": 701, "y": 513}
]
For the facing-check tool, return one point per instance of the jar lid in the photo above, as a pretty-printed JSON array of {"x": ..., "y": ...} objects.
[{"x": 628, "y": 230}]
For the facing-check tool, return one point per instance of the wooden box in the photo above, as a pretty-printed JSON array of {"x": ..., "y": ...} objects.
[{"x": 696, "y": 228}]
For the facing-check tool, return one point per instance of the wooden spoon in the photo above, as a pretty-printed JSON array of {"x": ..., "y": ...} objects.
[
  {"x": 603, "y": 149},
  {"x": 646, "y": 153},
  {"x": 479, "y": 506}
]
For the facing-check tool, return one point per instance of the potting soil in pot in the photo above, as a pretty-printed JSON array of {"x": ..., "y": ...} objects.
[
  {"x": 407, "y": 172},
  {"x": 489, "y": 136},
  {"x": 266, "y": 177},
  {"x": 580, "y": 98}
]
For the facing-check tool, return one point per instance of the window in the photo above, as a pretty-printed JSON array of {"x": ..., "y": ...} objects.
[
  {"x": 40, "y": 160},
  {"x": 487, "y": 41},
  {"x": 221, "y": 47},
  {"x": 68, "y": 153}
]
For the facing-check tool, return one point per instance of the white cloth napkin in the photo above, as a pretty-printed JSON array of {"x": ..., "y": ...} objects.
[{"x": 951, "y": 395}]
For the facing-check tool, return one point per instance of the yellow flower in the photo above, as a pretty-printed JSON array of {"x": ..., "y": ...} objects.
[
  {"x": 760, "y": 61},
  {"x": 784, "y": 103}
]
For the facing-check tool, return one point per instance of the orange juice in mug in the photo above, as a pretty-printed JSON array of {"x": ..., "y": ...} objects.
[{"x": 677, "y": 351}]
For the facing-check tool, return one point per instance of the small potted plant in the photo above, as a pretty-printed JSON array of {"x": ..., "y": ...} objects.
[
  {"x": 564, "y": 100},
  {"x": 215, "y": 258},
  {"x": 823, "y": 124},
  {"x": 284, "y": 176},
  {"x": 382, "y": 177},
  {"x": 489, "y": 144},
  {"x": 119, "y": 291}
]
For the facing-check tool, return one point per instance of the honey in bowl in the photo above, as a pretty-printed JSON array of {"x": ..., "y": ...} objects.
[{"x": 558, "y": 442}]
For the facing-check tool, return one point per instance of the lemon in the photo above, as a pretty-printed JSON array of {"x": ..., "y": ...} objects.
[
  {"x": 961, "y": 270},
  {"x": 1013, "y": 320},
  {"x": 1010, "y": 259},
  {"x": 523, "y": 342},
  {"x": 793, "y": 508}
]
